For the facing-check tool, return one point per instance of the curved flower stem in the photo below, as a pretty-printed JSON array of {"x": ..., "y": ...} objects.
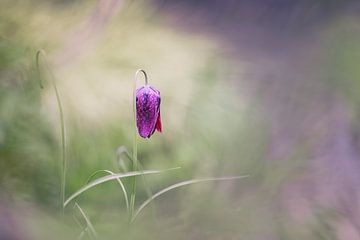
[
  {"x": 134, "y": 153},
  {"x": 62, "y": 123},
  {"x": 145, "y": 76}
]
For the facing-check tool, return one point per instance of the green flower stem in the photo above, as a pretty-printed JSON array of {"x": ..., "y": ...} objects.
[{"x": 134, "y": 153}]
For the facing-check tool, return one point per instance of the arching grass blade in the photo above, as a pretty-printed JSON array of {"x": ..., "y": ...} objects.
[
  {"x": 87, "y": 220},
  {"x": 181, "y": 184},
  {"x": 109, "y": 178},
  {"x": 118, "y": 180}
]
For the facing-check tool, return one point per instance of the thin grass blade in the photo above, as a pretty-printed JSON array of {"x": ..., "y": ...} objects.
[
  {"x": 122, "y": 150},
  {"x": 87, "y": 220},
  {"x": 83, "y": 229},
  {"x": 181, "y": 184},
  {"x": 118, "y": 180},
  {"x": 81, "y": 235},
  {"x": 109, "y": 178},
  {"x": 62, "y": 122}
]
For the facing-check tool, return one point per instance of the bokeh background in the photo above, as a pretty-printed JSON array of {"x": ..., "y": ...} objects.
[{"x": 266, "y": 88}]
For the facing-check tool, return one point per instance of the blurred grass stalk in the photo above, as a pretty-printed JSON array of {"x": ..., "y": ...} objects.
[{"x": 62, "y": 123}]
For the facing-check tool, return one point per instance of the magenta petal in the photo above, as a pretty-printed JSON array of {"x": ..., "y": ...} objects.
[
  {"x": 147, "y": 110},
  {"x": 159, "y": 124}
]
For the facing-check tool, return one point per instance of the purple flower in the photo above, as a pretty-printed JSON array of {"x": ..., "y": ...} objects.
[{"x": 148, "y": 111}]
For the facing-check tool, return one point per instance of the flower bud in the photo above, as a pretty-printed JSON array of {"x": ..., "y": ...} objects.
[{"x": 148, "y": 111}]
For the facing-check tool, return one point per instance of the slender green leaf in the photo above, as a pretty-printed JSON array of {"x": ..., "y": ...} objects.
[
  {"x": 181, "y": 184},
  {"x": 82, "y": 234},
  {"x": 118, "y": 180},
  {"x": 87, "y": 220},
  {"x": 62, "y": 122},
  {"x": 122, "y": 150},
  {"x": 109, "y": 178},
  {"x": 83, "y": 229}
]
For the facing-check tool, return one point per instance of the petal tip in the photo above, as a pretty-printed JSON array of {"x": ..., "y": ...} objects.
[{"x": 158, "y": 124}]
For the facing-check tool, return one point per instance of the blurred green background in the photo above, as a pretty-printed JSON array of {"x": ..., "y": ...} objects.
[{"x": 267, "y": 89}]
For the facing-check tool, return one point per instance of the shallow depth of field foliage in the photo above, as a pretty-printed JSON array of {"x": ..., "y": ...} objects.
[{"x": 217, "y": 121}]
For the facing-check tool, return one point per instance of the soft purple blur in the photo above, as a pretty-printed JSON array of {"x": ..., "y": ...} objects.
[{"x": 298, "y": 57}]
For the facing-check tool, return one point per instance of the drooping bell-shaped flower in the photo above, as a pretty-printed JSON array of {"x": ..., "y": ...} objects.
[{"x": 148, "y": 111}]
